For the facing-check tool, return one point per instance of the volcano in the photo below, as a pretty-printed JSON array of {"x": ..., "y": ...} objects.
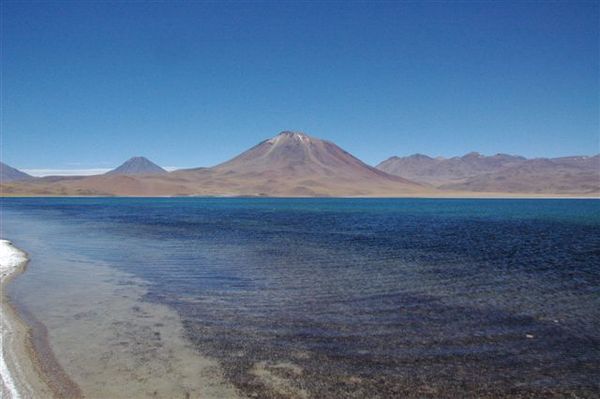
[
  {"x": 298, "y": 155},
  {"x": 296, "y": 164},
  {"x": 137, "y": 166}
]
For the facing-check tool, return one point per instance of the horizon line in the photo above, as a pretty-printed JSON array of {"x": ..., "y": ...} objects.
[
  {"x": 44, "y": 172},
  {"x": 79, "y": 172}
]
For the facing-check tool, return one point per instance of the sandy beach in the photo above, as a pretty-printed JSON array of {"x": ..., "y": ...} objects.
[{"x": 19, "y": 372}]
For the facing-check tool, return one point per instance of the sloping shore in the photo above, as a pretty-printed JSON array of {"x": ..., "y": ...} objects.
[
  {"x": 20, "y": 377},
  {"x": 136, "y": 346}
]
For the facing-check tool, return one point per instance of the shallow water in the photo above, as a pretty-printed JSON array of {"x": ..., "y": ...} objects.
[{"x": 326, "y": 297}]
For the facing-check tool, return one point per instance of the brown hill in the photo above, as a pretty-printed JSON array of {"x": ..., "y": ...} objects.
[
  {"x": 569, "y": 175},
  {"x": 501, "y": 173},
  {"x": 436, "y": 171}
]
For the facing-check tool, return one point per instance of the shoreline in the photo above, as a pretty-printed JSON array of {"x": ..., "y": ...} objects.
[
  {"x": 21, "y": 370},
  {"x": 32, "y": 370},
  {"x": 448, "y": 195}
]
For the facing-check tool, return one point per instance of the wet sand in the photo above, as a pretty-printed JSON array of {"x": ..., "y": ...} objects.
[{"x": 19, "y": 368}]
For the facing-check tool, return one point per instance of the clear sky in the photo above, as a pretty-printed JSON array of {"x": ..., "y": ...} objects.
[{"x": 90, "y": 84}]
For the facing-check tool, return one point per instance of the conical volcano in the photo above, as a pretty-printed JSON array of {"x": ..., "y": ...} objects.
[
  {"x": 296, "y": 154},
  {"x": 137, "y": 166},
  {"x": 296, "y": 164}
]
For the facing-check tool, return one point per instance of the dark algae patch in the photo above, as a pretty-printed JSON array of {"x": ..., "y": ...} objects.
[{"x": 329, "y": 361}]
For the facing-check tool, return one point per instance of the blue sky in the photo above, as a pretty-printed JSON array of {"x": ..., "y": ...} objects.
[{"x": 90, "y": 84}]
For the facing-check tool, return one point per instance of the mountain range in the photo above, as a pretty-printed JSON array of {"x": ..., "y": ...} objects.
[
  {"x": 296, "y": 164},
  {"x": 500, "y": 173}
]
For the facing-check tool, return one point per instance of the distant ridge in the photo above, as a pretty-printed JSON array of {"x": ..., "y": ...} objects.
[
  {"x": 137, "y": 166},
  {"x": 441, "y": 170},
  {"x": 474, "y": 172},
  {"x": 10, "y": 174}
]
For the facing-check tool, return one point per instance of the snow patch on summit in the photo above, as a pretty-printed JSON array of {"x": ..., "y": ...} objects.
[{"x": 287, "y": 135}]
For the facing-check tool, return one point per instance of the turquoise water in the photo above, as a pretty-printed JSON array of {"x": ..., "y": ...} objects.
[{"x": 363, "y": 297}]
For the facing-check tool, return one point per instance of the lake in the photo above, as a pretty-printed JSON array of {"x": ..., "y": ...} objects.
[{"x": 314, "y": 297}]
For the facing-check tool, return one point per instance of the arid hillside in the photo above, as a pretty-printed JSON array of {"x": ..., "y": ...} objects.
[{"x": 500, "y": 173}]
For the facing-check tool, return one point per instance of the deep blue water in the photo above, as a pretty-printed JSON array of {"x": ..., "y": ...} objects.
[{"x": 370, "y": 297}]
